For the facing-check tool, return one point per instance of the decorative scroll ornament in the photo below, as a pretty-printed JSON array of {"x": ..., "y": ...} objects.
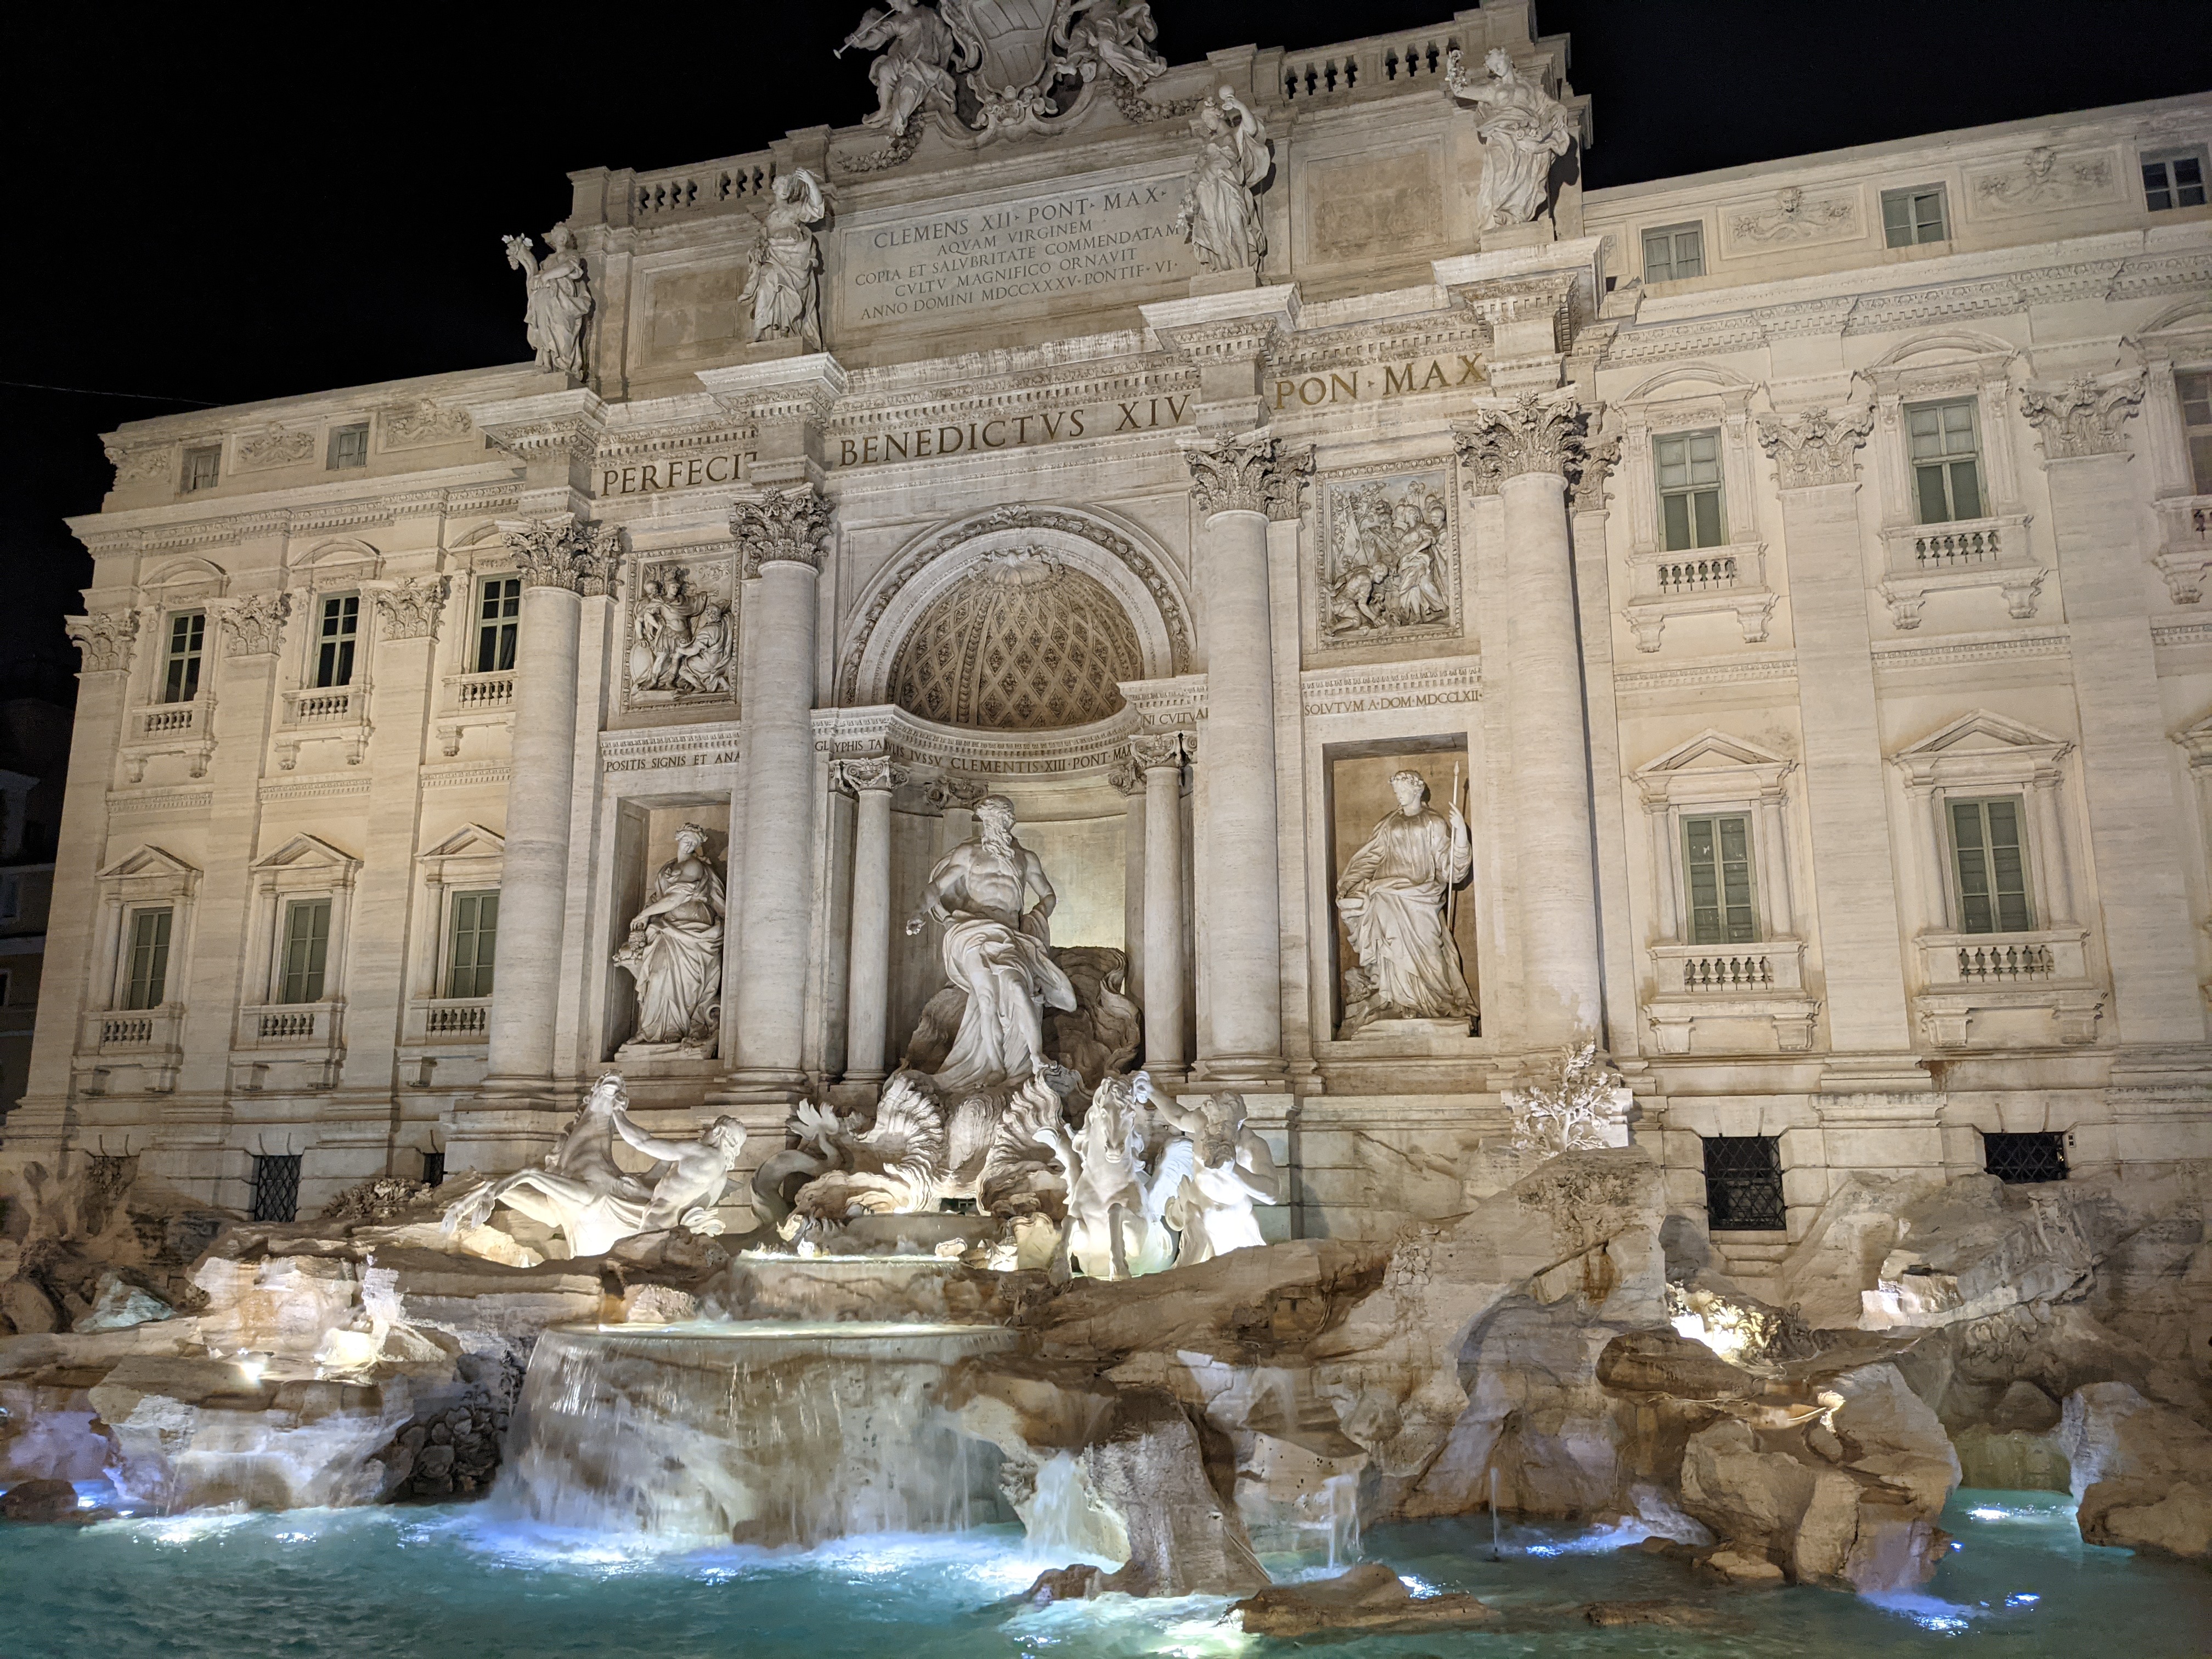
[
  {"x": 563, "y": 552},
  {"x": 1287, "y": 481},
  {"x": 275, "y": 446},
  {"x": 1529, "y": 434},
  {"x": 104, "y": 640},
  {"x": 140, "y": 466},
  {"x": 951, "y": 794},
  {"x": 787, "y": 527},
  {"x": 2084, "y": 416},
  {"x": 1240, "y": 474},
  {"x": 255, "y": 624},
  {"x": 409, "y": 426},
  {"x": 867, "y": 772},
  {"x": 1815, "y": 447},
  {"x": 1794, "y": 219},
  {"x": 410, "y": 609},
  {"x": 2041, "y": 182},
  {"x": 1148, "y": 750}
]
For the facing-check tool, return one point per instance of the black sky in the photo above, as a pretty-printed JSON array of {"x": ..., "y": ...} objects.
[{"x": 218, "y": 205}]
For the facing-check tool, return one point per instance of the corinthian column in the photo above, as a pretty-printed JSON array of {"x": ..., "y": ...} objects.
[
  {"x": 560, "y": 560},
  {"x": 781, "y": 538},
  {"x": 1158, "y": 760},
  {"x": 1532, "y": 445},
  {"x": 869, "y": 974},
  {"x": 1234, "y": 481}
]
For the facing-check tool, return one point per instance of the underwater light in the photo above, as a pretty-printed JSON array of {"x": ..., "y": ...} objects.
[
  {"x": 1419, "y": 1587},
  {"x": 2023, "y": 1599},
  {"x": 1986, "y": 1513}
]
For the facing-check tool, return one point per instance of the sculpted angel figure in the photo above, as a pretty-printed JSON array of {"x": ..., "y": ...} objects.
[
  {"x": 674, "y": 951},
  {"x": 1391, "y": 897},
  {"x": 1523, "y": 131},
  {"x": 1227, "y": 1170},
  {"x": 1220, "y": 214},
  {"x": 559, "y": 298},
  {"x": 913, "y": 70},
  {"x": 785, "y": 283},
  {"x": 996, "y": 951},
  {"x": 1115, "y": 35}
]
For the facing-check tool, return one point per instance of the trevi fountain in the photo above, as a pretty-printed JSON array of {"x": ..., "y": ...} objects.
[{"x": 1190, "y": 812}]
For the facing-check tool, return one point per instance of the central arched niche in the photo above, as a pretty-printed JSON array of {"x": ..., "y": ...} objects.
[{"x": 1021, "y": 642}]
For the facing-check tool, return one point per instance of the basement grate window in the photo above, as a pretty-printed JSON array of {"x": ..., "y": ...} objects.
[
  {"x": 434, "y": 1169},
  {"x": 276, "y": 1188},
  {"x": 2025, "y": 1158},
  {"x": 1743, "y": 1184}
]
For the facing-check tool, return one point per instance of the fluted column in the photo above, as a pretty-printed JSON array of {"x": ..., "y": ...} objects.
[
  {"x": 1234, "y": 480},
  {"x": 561, "y": 560},
  {"x": 1159, "y": 759},
  {"x": 868, "y": 977},
  {"x": 780, "y": 538},
  {"x": 1531, "y": 446}
]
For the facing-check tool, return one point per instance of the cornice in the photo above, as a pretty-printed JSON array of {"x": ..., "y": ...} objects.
[
  {"x": 309, "y": 509},
  {"x": 1765, "y": 670},
  {"x": 1943, "y": 653},
  {"x": 1373, "y": 688}
]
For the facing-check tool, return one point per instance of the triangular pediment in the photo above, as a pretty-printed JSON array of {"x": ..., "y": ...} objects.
[
  {"x": 1711, "y": 750},
  {"x": 470, "y": 840},
  {"x": 150, "y": 861},
  {"x": 1982, "y": 732},
  {"x": 304, "y": 851}
]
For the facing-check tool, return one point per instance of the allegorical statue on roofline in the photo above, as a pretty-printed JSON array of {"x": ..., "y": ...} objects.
[
  {"x": 1220, "y": 211},
  {"x": 1523, "y": 131},
  {"x": 559, "y": 298},
  {"x": 785, "y": 284}
]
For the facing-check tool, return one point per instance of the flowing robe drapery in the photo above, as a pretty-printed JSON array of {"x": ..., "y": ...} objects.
[
  {"x": 679, "y": 970},
  {"x": 1007, "y": 974},
  {"x": 553, "y": 316},
  {"x": 1392, "y": 898}
]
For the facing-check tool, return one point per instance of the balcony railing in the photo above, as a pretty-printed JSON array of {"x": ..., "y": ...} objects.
[
  {"x": 2186, "y": 555},
  {"x": 1678, "y": 576},
  {"x": 2005, "y": 959},
  {"x": 1924, "y": 559},
  {"x": 314, "y": 1025},
  {"x": 1985, "y": 965},
  {"x": 328, "y": 705},
  {"x": 1382, "y": 62},
  {"x": 455, "y": 1016},
  {"x": 481, "y": 693},
  {"x": 127, "y": 1031}
]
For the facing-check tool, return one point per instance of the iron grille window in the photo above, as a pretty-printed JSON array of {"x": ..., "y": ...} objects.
[
  {"x": 498, "y": 607},
  {"x": 1947, "y": 460},
  {"x": 334, "y": 638},
  {"x": 276, "y": 1187},
  {"x": 1914, "y": 215},
  {"x": 1743, "y": 1184},
  {"x": 434, "y": 1169},
  {"x": 2197, "y": 420},
  {"x": 475, "y": 943},
  {"x": 2025, "y": 1158},
  {"x": 349, "y": 446},
  {"x": 147, "y": 975},
  {"x": 180, "y": 668},
  {"x": 1673, "y": 252},
  {"x": 2173, "y": 178}
]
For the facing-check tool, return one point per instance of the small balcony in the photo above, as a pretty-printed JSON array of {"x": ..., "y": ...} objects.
[
  {"x": 467, "y": 700},
  {"x": 1987, "y": 990},
  {"x": 1702, "y": 581},
  {"x": 123, "y": 1049},
  {"x": 460, "y": 1021},
  {"x": 169, "y": 728},
  {"x": 311, "y": 1026},
  {"x": 2185, "y": 550},
  {"x": 1715, "y": 998},
  {"x": 329, "y": 713},
  {"x": 1925, "y": 559}
]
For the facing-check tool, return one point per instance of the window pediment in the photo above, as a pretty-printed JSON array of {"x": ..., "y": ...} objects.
[
  {"x": 1712, "y": 766},
  {"x": 1981, "y": 748},
  {"x": 149, "y": 872},
  {"x": 309, "y": 860}
]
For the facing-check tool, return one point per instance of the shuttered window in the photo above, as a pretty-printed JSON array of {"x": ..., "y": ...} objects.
[
  {"x": 146, "y": 976},
  {"x": 1689, "y": 469},
  {"x": 1947, "y": 460},
  {"x": 1716, "y": 861},
  {"x": 307, "y": 950},
  {"x": 475, "y": 939},
  {"x": 1988, "y": 854}
]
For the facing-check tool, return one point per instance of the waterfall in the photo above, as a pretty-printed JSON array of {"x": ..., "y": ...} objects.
[{"x": 761, "y": 1433}]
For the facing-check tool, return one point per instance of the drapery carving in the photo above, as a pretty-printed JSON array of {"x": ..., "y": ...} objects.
[
  {"x": 1814, "y": 447},
  {"x": 2085, "y": 416},
  {"x": 786, "y": 526}
]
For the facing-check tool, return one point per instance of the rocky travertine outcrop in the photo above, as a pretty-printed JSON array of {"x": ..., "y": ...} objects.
[
  {"x": 2141, "y": 1472},
  {"x": 1369, "y": 1599}
]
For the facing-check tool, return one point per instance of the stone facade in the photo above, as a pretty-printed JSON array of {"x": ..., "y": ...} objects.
[{"x": 1805, "y": 622}]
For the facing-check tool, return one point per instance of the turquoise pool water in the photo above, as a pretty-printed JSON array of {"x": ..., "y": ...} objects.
[{"x": 456, "y": 1583}]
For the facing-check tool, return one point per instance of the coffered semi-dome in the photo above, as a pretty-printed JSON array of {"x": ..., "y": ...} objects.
[{"x": 1022, "y": 643}]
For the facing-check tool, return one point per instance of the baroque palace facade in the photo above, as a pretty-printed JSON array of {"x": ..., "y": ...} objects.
[{"x": 1795, "y": 575}]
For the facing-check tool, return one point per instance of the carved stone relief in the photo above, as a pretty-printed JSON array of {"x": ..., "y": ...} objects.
[
  {"x": 144, "y": 465},
  {"x": 410, "y": 609},
  {"x": 683, "y": 632},
  {"x": 1388, "y": 562},
  {"x": 104, "y": 640},
  {"x": 1814, "y": 447},
  {"x": 410, "y": 426},
  {"x": 1792, "y": 219},
  {"x": 255, "y": 624},
  {"x": 2086, "y": 416},
  {"x": 2041, "y": 180},
  {"x": 273, "y": 446}
]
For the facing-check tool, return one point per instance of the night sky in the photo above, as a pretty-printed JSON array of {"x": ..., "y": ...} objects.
[{"x": 219, "y": 204}]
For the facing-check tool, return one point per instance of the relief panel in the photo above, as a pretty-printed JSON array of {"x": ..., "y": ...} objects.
[
  {"x": 1388, "y": 568},
  {"x": 1359, "y": 206},
  {"x": 681, "y": 624},
  {"x": 694, "y": 313}
]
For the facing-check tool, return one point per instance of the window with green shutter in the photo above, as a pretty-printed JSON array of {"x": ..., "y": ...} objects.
[
  {"x": 146, "y": 978},
  {"x": 307, "y": 949},
  {"x": 1910, "y": 217},
  {"x": 1717, "y": 860},
  {"x": 1689, "y": 469},
  {"x": 1947, "y": 460},
  {"x": 473, "y": 945},
  {"x": 2196, "y": 392},
  {"x": 180, "y": 665},
  {"x": 1672, "y": 252},
  {"x": 1988, "y": 853}
]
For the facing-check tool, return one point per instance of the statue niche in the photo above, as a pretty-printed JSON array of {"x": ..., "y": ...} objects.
[{"x": 674, "y": 953}]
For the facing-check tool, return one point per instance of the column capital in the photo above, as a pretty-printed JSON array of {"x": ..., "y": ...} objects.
[
  {"x": 254, "y": 626},
  {"x": 2086, "y": 416},
  {"x": 1814, "y": 447},
  {"x": 783, "y": 527},
  {"x": 1534, "y": 434},
  {"x": 562, "y": 551},
  {"x": 104, "y": 640},
  {"x": 1249, "y": 473},
  {"x": 866, "y": 774},
  {"x": 950, "y": 794},
  {"x": 411, "y": 609},
  {"x": 1156, "y": 751}
]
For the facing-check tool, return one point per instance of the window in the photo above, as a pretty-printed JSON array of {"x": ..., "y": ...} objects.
[
  {"x": 1717, "y": 866},
  {"x": 146, "y": 975},
  {"x": 1914, "y": 215},
  {"x": 180, "y": 667},
  {"x": 1673, "y": 252},
  {"x": 1689, "y": 465},
  {"x": 348, "y": 447},
  {"x": 276, "y": 1188},
  {"x": 306, "y": 946},
  {"x": 11, "y": 898},
  {"x": 434, "y": 1169},
  {"x": 1946, "y": 462},
  {"x": 475, "y": 937},
  {"x": 1743, "y": 1184},
  {"x": 2197, "y": 419},
  {"x": 2173, "y": 178},
  {"x": 203, "y": 468},
  {"x": 1987, "y": 854},
  {"x": 499, "y": 604},
  {"x": 2028, "y": 1158},
  {"x": 7, "y": 988},
  {"x": 334, "y": 638}
]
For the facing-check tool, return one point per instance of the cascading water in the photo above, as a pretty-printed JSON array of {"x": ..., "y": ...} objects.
[{"x": 761, "y": 1432}]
